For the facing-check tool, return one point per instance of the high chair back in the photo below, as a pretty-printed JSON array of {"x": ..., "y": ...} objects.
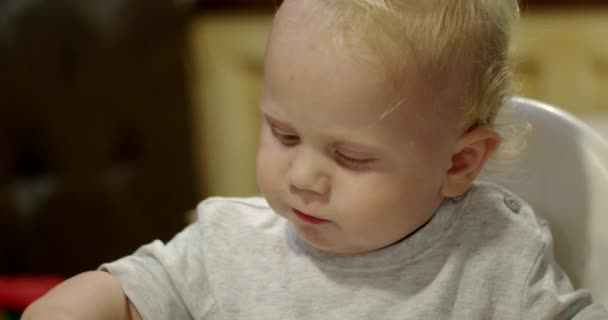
[{"x": 563, "y": 174}]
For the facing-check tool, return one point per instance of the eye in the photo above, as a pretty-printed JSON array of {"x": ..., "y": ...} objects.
[
  {"x": 285, "y": 137},
  {"x": 350, "y": 161}
]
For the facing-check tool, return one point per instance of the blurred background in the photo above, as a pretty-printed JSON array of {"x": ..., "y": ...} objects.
[{"x": 118, "y": 116}]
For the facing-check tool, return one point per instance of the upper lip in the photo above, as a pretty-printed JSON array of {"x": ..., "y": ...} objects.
[{"x": 306, "y": 214}]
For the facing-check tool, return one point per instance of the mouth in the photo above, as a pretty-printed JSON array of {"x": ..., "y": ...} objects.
[{"x": 308, "y": 218}]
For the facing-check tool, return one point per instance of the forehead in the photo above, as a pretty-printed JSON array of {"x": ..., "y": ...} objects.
[
  {"x": 311, "y": 76},
  {"x": 307, "y": 66}
]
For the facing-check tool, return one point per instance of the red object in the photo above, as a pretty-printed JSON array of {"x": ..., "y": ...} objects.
[
  {"x": 17, "y": 292},
  {"x": 309, "y": 219}
]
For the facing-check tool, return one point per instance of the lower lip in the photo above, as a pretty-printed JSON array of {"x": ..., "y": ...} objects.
[{"x": 309, "y": 219}]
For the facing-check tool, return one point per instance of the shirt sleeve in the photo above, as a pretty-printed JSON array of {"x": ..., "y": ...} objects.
[
  {"x": 549, "y": 294},
  {"x": 166, "y": 281}
]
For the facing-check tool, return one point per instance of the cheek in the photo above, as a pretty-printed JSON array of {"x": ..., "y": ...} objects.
[
  {"x": 367, "y": 196},
  {"x": 270, "y": 172},
  {"x": 390, "y": 198},
  {"x": 425, "y": 164},
  {"x": 269, "y": 164}
]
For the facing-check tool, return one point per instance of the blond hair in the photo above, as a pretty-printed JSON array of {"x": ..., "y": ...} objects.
[{"x": 451, "y": 42}]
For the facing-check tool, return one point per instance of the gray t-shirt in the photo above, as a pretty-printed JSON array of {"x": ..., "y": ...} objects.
[{"x": 482, "y": 256}]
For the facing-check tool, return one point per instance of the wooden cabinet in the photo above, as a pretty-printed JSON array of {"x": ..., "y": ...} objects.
[
  {"x": 95, "y": 133},
  {"x": 228, "y": 52},
  {"x": 562, "y": 57}
]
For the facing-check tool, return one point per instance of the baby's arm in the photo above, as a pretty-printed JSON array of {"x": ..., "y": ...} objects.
[{"x": 90, "y": 295}]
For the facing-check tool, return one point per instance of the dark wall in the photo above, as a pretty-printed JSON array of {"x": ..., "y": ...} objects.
[{"x": 95, "y": 150}]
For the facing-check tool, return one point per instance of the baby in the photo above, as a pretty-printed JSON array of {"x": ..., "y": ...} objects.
[{"x": 377, "y": 118}]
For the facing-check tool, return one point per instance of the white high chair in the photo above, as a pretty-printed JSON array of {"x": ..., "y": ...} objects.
[{"x": 563, "y": 175}]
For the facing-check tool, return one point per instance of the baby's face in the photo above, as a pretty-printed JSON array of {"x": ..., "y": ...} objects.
[{"x": 353, "y": 161}]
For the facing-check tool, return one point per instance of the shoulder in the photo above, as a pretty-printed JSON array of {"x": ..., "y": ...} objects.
[
  {"x": 502, "y": 241},
  {"x": 246, "y": 209},
  {"x": 500, "y": 225},
  {"x": 228, "y": 205},
  {"x": 495, "y": 205},
  {"x": 226, "y": 216}
]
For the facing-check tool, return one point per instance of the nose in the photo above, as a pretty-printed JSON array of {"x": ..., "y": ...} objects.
[{"x": 306, "y": 174}]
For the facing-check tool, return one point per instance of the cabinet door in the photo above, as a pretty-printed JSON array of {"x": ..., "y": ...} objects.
[
  {"x": 95, "y": 142},
  {"x": 562, "y": 57},
  {"x": 228, "y": 53}
]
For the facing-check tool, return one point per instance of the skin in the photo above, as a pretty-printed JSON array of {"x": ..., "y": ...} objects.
[
  {"x": 89, "y": 295},
  {"x": 341, "y": 141},
  {"x": 329, "y": 150}
]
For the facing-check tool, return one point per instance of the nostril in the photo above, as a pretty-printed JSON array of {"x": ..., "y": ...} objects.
[
  {"x": 318, "y": 185},
  {"x": 322, "y": 185},
  {"x": 306, "y": 173}
]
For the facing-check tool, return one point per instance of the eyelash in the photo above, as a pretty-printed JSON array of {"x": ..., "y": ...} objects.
[
  {"x": 352, "y": 162},
  {"x": 344, "y": 160},
  {"x": 285, "y": 139}
]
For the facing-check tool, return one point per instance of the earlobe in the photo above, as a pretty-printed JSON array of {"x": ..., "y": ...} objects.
[{"x": 470, "y": 154}]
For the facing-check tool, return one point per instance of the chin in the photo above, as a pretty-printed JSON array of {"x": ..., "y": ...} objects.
[{"x": 326, "y": 247}]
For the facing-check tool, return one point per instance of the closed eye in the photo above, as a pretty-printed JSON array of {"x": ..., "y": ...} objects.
[
  {"x": 353, "y": 162},
  {"x": 286, "y": 138}
]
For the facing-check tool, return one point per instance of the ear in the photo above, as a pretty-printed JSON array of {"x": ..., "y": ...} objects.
[{"x": 470, "y": 154}]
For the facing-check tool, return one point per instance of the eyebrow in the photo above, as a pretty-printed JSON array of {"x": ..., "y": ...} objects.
[{"x": 274, "y": 121}]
